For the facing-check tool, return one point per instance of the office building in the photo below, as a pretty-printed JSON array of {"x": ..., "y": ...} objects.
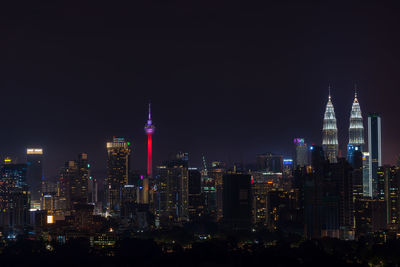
[
  {"x": 237, "y": 202},
  {"x": 196, "y": 197},
  {"x": 14, "y": 197},
  {"x": 270, "y": 162},
  {"x": 367, "y": 182},
  {"x": 356, "y": 131},
  {"x": 68, "y": 189},
  {"x": 216, "y": 173},
  {"x": 330, "y": 143},
  {"x": 391, "y": 192},
  {"x": 118, "y": 152},
  {"x": 79, "y": 179},
  {"x": 301, "y": 153},
  {"x": 172, "y": 191},
  {"x": 328, "y": 198},
  {"x": 375, "y": 150},
  {"x": 34, "y": 161}
]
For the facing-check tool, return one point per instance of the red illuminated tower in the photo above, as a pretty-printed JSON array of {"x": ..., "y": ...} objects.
[{"x": 149, "y": 129}]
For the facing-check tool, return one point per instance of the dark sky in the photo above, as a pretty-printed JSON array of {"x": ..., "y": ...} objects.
[{"x": 227, "y": 80}]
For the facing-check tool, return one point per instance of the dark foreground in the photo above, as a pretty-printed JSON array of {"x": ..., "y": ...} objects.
[{"x": 226, "y": 251}]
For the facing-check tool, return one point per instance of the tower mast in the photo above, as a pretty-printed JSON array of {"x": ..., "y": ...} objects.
[{"x": 149, "y": 130}]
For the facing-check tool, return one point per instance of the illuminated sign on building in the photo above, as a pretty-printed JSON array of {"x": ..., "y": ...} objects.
[
  {"x": 34, "y": 151},
  {"x": 298, "y": 141},
  {"x": 287, "y": 161},
  {"x": 50, "y": 219}
]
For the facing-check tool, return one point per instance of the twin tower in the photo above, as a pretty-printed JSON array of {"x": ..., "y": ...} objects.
[{"x": 330, "y": 142}]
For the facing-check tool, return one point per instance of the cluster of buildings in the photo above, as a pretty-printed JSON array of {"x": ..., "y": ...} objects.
[{"x": 315, "y": 193}]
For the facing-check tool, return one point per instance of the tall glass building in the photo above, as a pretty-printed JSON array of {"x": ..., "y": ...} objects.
[
  {"x": 330, "y": 143},
  {"x": 356, "y": 131},
  {"x": 375, "y": 150},
  {"x": 34, "y": 161},
  {"x": 118, "y": 152},
  {"x": 367, "y": 183}
]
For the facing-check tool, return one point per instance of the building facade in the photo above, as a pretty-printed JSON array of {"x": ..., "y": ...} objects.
[
  {"x": 118, "y": 152},
  {"x": 34, "y": 161},
  {"x": 356, "y": 131},
  {"x": 375, "y": 150},
  {"x": 330, "y": 143}
]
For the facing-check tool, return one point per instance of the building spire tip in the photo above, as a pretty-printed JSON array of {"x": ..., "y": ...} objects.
[
  {"x": 149, "y": 110},
  {"x": 329, "y": 92}
]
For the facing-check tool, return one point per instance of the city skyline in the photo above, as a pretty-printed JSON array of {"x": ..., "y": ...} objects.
[
  {"x": 78, "y": 78},
  {"x": 197, "y": 162},
  {"x": 203, "y": 133}
]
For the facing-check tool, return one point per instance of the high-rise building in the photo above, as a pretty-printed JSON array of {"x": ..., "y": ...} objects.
[
  {"x": 370, "y": 216},
  {"x": 68, "y": 184},
  {"x": 208, "y": 191},
  {"x": 237, "y": 202},
  {"x": 79, "y": 182},
  {"x": 375, "y": 151},
  {"x": 118, "y": 152},
  {"x": 196, "y": 197},
  {"x": 367, "y": 183},
  {"x": 390, "y": 190},
  {"x": 328, "y": 198},
  {"x": 282, "y": 210},
  {"x": 14, "y": 197},
  {"x": 149, "y": 129},
  {"x": 34, "y": 160},
  {"x": 216, "y": 173},
  {"x": 356, "y": 131},
  {"x": 330, "y": 143},
  {"x": 301, "y": 153},
  {"x": 92, "y": 190},
  {"x": 172, "y": 191},
  {"x": 270, "y": 162},
  {"x": 358, "y": 183},
  {"x": 261, "y": 184}
]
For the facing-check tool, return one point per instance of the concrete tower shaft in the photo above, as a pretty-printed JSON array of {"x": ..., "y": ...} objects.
[{"x": 149, "y": 130}]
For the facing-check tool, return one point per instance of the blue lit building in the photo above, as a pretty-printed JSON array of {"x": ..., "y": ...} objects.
[
  {"x": 375, "y": 150},
  {"x": 14, "y": 197}
]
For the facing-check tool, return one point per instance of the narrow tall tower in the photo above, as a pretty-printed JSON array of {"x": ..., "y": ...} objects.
[
  {"x": 375, "y": 151},
  {"x": 329, "y": 132},
  {"x": 356, "y": 130},
  {"x": 149, "y": 129}
]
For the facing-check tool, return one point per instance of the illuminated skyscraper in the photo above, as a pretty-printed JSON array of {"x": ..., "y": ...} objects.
[
  {"x": 356, "y": 131},
  {"x": 14, "y": 197},
  {"x": 216, "y": 173},
  {"x": 117, "y": 173},
  {"x": 34, "y": 161},
  {"x": 79, "y": 184},
  {"x": 301, "y": 152},
  {"x": 367, "y": 183},
  {"x": 329, "y": 133},
  {"x": 68, "y": 184},
  {"x": 149, "y": 129},
  {"x": 374, "y": 147},
  {"x": 173, "y": 191}
]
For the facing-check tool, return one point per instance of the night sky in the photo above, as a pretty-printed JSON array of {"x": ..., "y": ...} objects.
[{"x": 225, "y": 80}]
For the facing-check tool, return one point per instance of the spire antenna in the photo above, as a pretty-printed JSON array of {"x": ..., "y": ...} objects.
[
  {"x": 329, "y": 91},
  {"x": 355, "y": 90},
  {"x": 149, "y": 110}
]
